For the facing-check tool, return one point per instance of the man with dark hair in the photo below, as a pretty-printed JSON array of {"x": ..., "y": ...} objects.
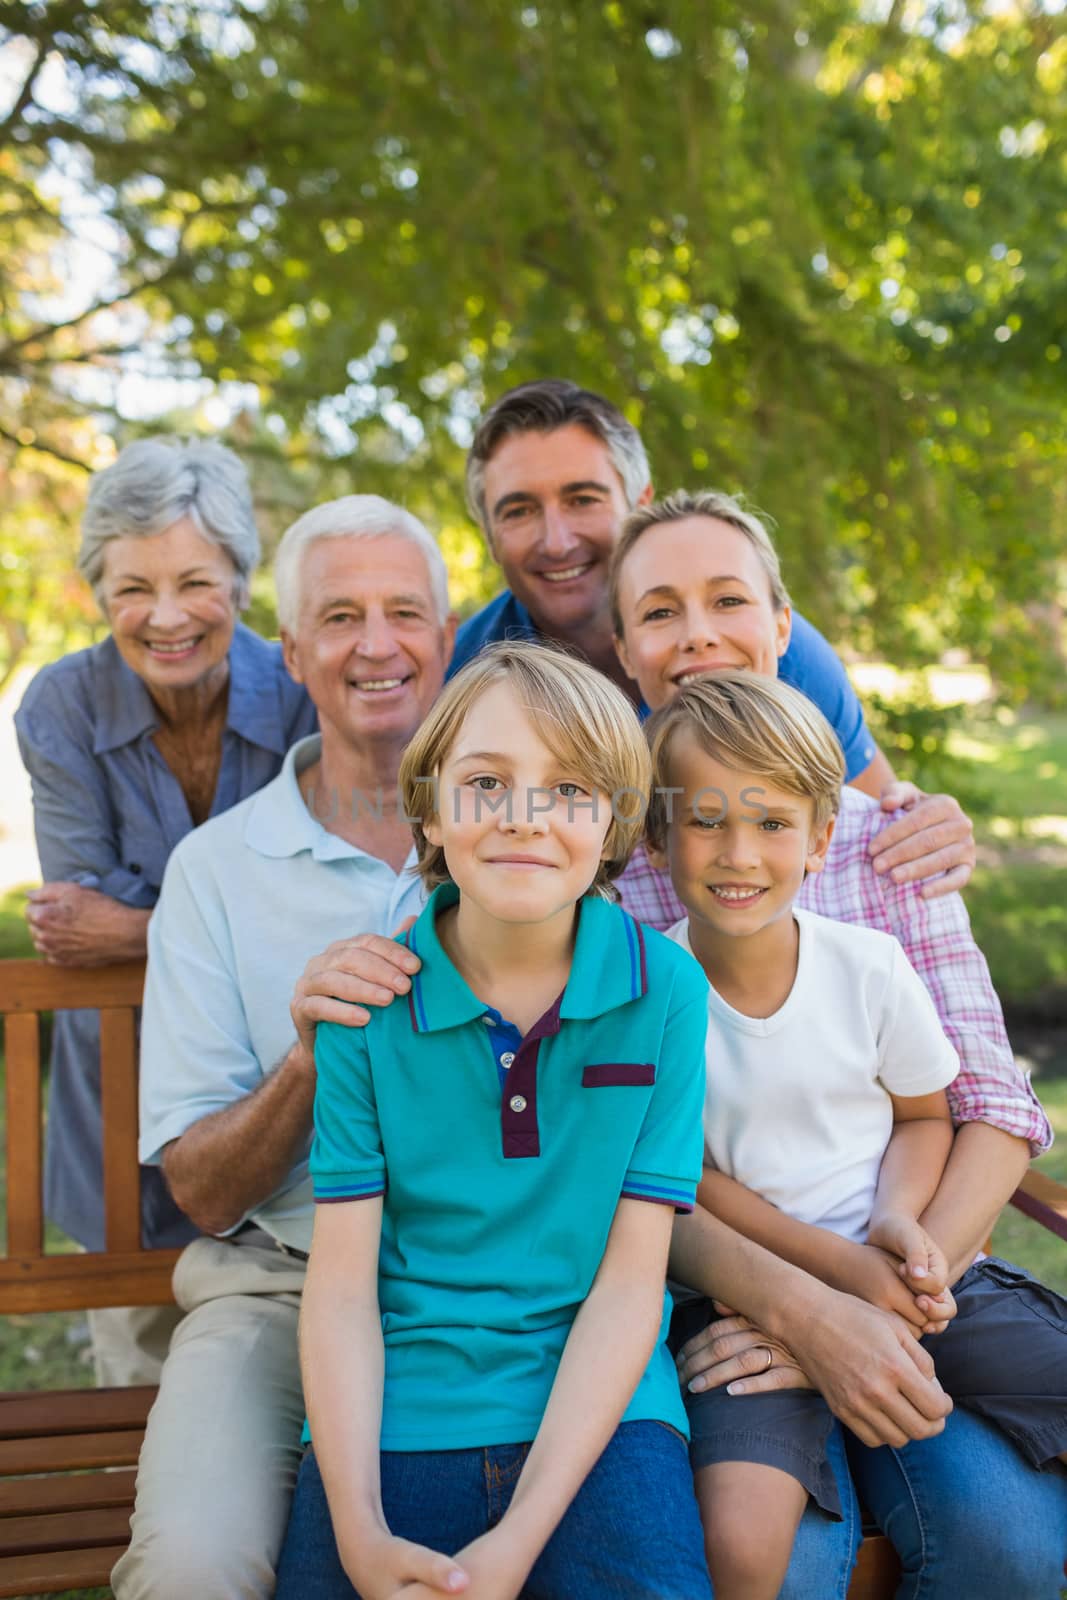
[{"x": 552, "y": 473}]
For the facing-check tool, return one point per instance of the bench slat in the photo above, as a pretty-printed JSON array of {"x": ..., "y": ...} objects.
[
  {"x": 70, "y": 1491},
  {"x": 59, "y": 1411},
  {"x": 25, "y": 1222},
  {"x": 877, "y": 1569},
  {"x": 67, "y": 1452},
  {"x": 40, "y": 986},
  {"x": 64, "y": 1530},
  {"x": 78, "y": 1282},
  {"x": 1044, "y": 1200},
  {"x": 44, "y": 1574},
  {"x": 118, "y": 1101}
]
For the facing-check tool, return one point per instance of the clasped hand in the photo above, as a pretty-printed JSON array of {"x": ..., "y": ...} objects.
[
  {"x": 902, "y": 1269},
  {"x": 77, "y": 927},
  {"x": 396, "y": 1569}
]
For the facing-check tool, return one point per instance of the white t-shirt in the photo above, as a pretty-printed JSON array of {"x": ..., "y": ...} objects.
[{"x": 796, "y": 1106}]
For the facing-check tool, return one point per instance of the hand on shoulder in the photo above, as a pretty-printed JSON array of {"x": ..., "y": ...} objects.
[{"x": 932, "y": 841}]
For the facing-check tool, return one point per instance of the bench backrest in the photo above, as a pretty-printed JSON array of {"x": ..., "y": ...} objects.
[{"x": 124, "y": 1273}]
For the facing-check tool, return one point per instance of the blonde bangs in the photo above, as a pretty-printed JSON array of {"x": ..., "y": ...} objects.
[
  {"x": 584, "y": 720},
  {"x": 753, "y": 725}
]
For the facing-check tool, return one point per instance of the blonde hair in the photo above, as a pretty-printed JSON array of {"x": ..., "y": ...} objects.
[
  {"x": 582, "y": 717},
  {"x": 677, "y": 507},
  {"x": 751, "y": 724}
]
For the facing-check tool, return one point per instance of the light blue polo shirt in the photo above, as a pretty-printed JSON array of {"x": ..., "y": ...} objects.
[
  {"x": 246, "y": 901},
  {"x": 498, "y": 1200}
]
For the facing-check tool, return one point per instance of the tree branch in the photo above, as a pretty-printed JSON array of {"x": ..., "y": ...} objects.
[
  {"x": 48, "y": 329},
  {"x": 25, "y": 94},
  {"x": 44, "y": 449}
]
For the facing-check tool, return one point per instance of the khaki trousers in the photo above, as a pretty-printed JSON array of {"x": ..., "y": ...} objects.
[
  {"x": 130, "y": 1343},
  {"x": 222, "y": 1446}
]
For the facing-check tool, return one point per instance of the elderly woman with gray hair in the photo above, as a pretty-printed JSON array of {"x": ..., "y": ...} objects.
[{"x": 176, "y": 716}]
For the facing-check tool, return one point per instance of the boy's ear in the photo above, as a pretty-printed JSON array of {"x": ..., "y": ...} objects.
[
  {"x": 656, "y": 854},
  {"x": 818, "y": 845},
  {"x": 431, "y": 831}
]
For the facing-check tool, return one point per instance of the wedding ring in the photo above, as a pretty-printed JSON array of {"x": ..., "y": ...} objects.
[{"x": 770, "y": 1358}]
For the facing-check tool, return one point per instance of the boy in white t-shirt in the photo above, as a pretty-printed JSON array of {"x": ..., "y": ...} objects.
[{"x": 826, "y": 1125}]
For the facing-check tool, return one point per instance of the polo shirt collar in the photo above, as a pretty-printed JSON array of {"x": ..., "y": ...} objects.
[
  {"x": 279, "y": 824},
  {"x": 126, "y": 711},
  {"x": 608, "y": 970}
]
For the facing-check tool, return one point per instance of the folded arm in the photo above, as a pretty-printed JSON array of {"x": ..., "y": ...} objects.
[{"x": 92, "y": 908}]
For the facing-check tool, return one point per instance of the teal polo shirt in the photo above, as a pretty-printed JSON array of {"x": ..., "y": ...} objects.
[{"x": 498, "y": 1201}]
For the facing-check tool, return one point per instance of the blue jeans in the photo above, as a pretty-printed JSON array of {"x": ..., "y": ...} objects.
[
  {"x": 824, "y": 1551},
  {"x": 632, "y": 1531},
  {"x": 966, "y": 1513}
]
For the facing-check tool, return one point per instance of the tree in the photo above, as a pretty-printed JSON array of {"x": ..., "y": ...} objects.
[{"x": 811, "y": 252}]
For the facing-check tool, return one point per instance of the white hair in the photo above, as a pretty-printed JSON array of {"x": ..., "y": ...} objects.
[
  {"x": 353, "y": 516},
  {"x": 153, "y": 484}
]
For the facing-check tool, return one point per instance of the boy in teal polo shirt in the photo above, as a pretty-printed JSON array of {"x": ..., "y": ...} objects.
[{"x": 497, "y": 1165}]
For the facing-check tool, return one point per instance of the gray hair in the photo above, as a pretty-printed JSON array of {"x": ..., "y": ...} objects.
[
  {"x": 353, "y": 516},
  {"x": 542, "y": 407},
  {"x": 153, "y": 484},
  {"x": 679, "y": 506}
]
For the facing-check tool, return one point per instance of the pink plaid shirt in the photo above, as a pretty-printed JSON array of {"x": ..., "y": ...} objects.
[{"x": 937, "y": 939}]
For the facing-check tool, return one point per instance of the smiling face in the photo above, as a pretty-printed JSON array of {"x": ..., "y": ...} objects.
[
  {"x": 694, "y": 597},
  {"x": 737, "y": 847},
  {"x": 171, "y": 601},
  {"x": 555, "y": 505},
  {"x": 522, "y": 836},
  {"x": 368, "y": 646}
]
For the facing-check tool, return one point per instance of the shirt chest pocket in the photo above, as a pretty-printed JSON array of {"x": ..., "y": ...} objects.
[{"x": 619, "y": 1075}]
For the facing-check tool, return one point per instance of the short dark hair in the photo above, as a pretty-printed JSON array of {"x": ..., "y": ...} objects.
[{"x": 541, "y": 407}]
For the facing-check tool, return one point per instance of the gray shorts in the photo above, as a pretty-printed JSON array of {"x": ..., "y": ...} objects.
[{"x": 1003, "y": 1355}]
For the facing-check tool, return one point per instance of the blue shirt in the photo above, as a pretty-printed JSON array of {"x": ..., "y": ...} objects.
[
  {"x": 809, "y": 664},
  {"x": 499, "y": 1197},
  {"x": 107, "y": 812},
  {"x": 247, "y": 900}
]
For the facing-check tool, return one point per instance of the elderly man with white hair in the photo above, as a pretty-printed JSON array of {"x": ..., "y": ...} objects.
[{"x": 227, "y": 1086}]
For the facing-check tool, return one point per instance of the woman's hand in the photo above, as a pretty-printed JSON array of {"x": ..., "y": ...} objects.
[
  {"x": 733, "y": 1350},
  {"x": 77, "y": 927},
  {"x": 865, "y": 1363}
]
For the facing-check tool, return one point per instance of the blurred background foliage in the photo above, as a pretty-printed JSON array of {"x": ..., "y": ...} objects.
[{"x": 814, "y": 247}]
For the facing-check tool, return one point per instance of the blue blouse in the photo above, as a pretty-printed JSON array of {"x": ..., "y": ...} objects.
[{"x": 107, "y": 812}]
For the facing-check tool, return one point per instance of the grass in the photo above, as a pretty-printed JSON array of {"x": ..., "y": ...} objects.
[
  {"x": 14, "y": 935},
  {"x": 1009, "y": 769}
]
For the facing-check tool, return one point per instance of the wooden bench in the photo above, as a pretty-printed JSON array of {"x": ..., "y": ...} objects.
[
  {"x": 67, "y": 1458},
  {"x": 64, "y": 1509}
]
